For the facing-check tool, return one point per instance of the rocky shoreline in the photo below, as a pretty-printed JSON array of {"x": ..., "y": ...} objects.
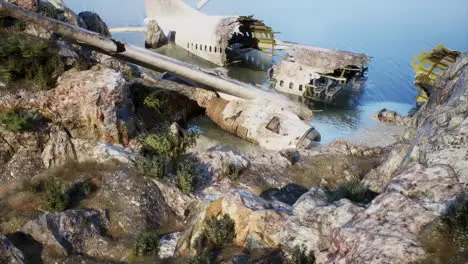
[{"x": 72, "y": 189}]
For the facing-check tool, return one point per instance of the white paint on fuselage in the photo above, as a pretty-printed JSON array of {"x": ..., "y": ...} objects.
[{"x": 194, "y": 30}]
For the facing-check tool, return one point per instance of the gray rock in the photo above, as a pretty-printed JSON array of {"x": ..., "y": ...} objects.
[
  {"x": 105, "y": 152},
  {"x": 9, "y": 253},
  {"x": 59, "y": 149},
  {"x": 167, "y": 245},
  {"x": 314, "y": 220},
  {"x": 378, "y": 178},
  {"x": 155, "y": 36},
  {"x": 94, "y": 23},
  {"x": 69, "y": 232},
  {"x": 392, "y": 117}
]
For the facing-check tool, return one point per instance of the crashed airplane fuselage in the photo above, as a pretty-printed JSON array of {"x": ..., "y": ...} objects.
[
  {"x": 315, "y": 73},
  {"x": 218, "y": 39}
]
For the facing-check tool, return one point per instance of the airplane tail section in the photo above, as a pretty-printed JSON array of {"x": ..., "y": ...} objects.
[{"x": 158, "y": 9}]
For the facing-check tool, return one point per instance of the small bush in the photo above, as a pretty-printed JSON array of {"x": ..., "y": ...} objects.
[
  {"x": 446, "y": 239},
  {"x": 10, "y": 22},
  {"x": 231, "y": 171},
  {"x": 29, "y": 61},
  {"x": 146, "y": 244},
  {"x": 219, "y": 230},
  {"x": 204, "y": 258},
  {"x": 16, "y": 120},
  {"x": 170, "y": 144},
  {"x": 300, "y": 256},
  {"x": 157, "y": 101},
  {"x": 186, "y": 177},
  {"x": 153, "y": 166},
  {"x": 56, "y": 196},
  {"x": 352, "y": 190}
]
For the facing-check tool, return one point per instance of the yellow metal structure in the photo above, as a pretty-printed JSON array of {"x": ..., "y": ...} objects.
[{"x": 428, "y": 66}]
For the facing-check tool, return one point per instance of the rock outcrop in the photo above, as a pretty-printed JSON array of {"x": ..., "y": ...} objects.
[
  {"x": 155, "y": 36},
  {"x": 9, "y": 253},
  {"x": 73, "y": 232},
  {"x": 94, "y": 23},
  {"x": 432, "y": 175}
]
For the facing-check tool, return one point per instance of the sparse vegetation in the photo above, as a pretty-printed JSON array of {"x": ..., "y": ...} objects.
[
  {"x": 16, "y": 120},
  {"x": 219, "y": 230},
  {"x": 157, "y": 101},
  {"x": 231, "y": 171},
  {"x": 301, "y": 256},
  {"x": 446, "y": 239},
  {"x": 205, "y": 258},
  {"x": 169, "y": 144},
  {"x": 351, "y": 190},
  {"x": 56, "y": 196},
  {"x": 32, "y": 62},
  {"x": 153, "y": 166},
  {"x": 162, "y": 153},
  {"x": 186, "y": 177},
  {"x": 146, "y": 244}
]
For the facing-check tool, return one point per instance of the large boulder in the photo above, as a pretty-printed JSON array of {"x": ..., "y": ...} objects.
[
  {"x": 94, "y": 23},
  {"x": 155, "y": 36},
  {"x": 28, "y": 4},
  {"x": 258, "y": 223},
  {"x": 388, "y": 230},
  {"x": 133, "y": 203},
  {"x": 378, "y": 178},
  {"x": 314, "y": 219},
  {"x": 9, "y": 253},
  {"x": 72, "y": 232}
]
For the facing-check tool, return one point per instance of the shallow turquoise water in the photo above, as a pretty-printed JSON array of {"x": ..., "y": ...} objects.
[{"x": 390, "y": 31}]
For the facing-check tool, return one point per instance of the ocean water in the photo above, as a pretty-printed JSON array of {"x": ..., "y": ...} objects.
[{"x": 389, "y": 31}]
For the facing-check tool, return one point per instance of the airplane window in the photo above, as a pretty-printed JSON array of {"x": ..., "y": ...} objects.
[
  {"x": 205, "y": 48},
  {"x": 300, "y": 87},
  {"x": 281, "y": 83},
  {"x": 196, "y": 46},
  {"x": 216, "y": 49},
  {"x": 210, "y": 48},
  {"x": 291, "y": 85}
]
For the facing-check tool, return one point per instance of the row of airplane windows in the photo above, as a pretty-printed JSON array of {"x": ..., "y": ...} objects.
[
  {"x": 291, "y": 85},
  {"x": 206, "y": 48}
]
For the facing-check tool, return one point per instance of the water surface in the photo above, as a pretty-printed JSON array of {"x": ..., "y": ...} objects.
[{"x": 389, "y": 31}]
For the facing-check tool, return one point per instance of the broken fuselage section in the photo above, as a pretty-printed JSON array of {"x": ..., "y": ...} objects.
[{"x": 317, "y": 73}]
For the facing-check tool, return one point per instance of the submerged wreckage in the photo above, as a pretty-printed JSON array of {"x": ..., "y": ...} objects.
[{"x": 315, "y": 73}]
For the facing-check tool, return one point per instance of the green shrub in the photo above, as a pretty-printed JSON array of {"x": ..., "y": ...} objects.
[
  {"x": 157, "y": 101},
  {"x": 300, "y": 256},
  {"x": 204, "y": 258},
  {"x": 351, "y": 190},
  {"x": 231, "y": 171},
  {"x": 146, "y": 244},
  {"x": 56, "y": 196},
  {"x": 30, "y": 61},
  {"x": 153, "y": 166},
  {"x": 16, "y": 120},
  {"x": 10, "y": 22},
  {"x": 446, "y": 239},
  {"x": 219, "y": 230},
  {"x": 170, "y": 144},
  {"x": 186, "y": 177}
]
